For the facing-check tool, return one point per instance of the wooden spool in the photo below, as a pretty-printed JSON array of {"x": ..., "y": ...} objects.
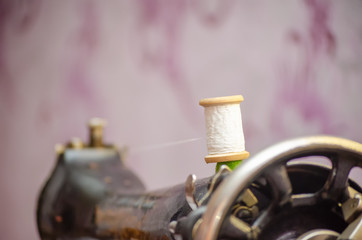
[{"x": 229, "y": 156}]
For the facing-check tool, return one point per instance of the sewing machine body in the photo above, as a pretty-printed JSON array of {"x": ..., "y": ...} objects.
[{"x": 91, "y": 194}]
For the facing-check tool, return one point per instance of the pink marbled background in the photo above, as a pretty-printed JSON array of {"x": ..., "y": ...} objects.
[{"x": 144, "y": 65}]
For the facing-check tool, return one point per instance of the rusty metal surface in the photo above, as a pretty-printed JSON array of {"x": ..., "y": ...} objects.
[
  {"x": 92, "y": 195},
  {"x": 79, "y": 181},
  {"x": 145, "y": 216}
]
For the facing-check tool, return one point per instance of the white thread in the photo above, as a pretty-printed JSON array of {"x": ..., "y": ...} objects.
[
  {"x": 161, "y": 145},
  {"x": 224, "y": 129}
]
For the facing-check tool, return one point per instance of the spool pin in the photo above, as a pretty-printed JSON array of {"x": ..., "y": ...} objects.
[{"x": 225, "y": 137}]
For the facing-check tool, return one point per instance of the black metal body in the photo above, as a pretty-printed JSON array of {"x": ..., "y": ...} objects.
[{"x": 92, "y": 195}]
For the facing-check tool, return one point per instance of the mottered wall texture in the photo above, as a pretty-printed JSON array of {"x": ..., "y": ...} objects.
[{"x": 144, "y": 65}]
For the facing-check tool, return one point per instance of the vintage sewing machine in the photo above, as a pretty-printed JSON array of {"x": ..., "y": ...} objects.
[{"x": 92, "y": 195}]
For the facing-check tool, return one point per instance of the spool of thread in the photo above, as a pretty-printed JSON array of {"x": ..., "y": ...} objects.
[{"x": 225, "y": 137}]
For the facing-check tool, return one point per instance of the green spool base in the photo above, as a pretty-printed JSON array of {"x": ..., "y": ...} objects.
[{"x": 232, "y": 164}]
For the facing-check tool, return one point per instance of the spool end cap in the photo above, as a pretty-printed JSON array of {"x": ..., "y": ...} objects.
[
  {"x": 221, "y": 100},
  {"x": 226, "y": 157}
]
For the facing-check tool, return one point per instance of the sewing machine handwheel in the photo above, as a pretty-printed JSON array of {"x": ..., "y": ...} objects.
[{"x": 271, "y": 164}]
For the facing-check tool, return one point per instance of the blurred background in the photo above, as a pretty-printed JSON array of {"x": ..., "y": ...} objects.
[{"x": 144, "y": 65}]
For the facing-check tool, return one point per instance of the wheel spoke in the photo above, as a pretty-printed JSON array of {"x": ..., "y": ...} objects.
[
  {"x": 264, "y": 218},
  {"x": 337, "y": 180},
  {"x": 304, "y": 199},
  {"x": 280, "y": 184}
]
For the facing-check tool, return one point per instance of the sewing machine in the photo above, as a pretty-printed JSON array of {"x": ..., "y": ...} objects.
[{"x": 91, "y": 194}]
